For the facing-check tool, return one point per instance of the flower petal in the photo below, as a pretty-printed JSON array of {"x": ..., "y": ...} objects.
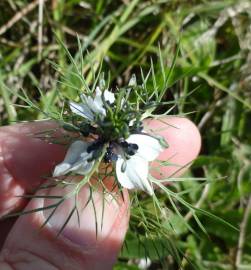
[
  {"x": 135, "y": 174},
  {"x": 74, "y": 158},
  {"x": 82, "y": 110},
  {"x": 149, "y": 147},
  {"x": 84, "y": 168},
  {"x": 87, "y": 100},
  {"x": 61, "y": 169},
  {"x": 98, "y": 106},
  {"x": 75, "y": 151},
  {"x": 133, "y": 81},
  {"x": 94, "y": 105},
  {"x": 109, "y": 96}
]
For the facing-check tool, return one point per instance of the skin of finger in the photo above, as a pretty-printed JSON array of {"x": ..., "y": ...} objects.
[
  {"x": 24, "y": 161},
  {"x": 27, "y": 155},
  {"x": 41, "y": 249},
  {"x": 184, "y": 144}
]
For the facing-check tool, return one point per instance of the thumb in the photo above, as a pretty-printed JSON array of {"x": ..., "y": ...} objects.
[{"x": 91, "y": 240}]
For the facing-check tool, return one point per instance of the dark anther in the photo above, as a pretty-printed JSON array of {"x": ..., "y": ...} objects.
[
  {"x": 129, "y": 148},
  {"x": 124, "y": 144},
  {"x": 134, "y": 146},
  {"x": 110, "y": 155},
  {"x": 94, "y": 146},
  {"x": 130, "y": 152}
]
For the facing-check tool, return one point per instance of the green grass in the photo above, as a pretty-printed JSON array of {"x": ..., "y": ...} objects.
[{"x": 210, "y": 81}]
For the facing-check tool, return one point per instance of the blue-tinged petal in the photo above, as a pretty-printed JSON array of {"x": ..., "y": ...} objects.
[
  {"x": 61, "y": 169},
  {"x": 98, "y": 105},
  {"x": 82, "y": 110},
  {"x": 94, "y": 105},
  {"x": 84, "y": 168},
  {"x": 75, "y": 159}
]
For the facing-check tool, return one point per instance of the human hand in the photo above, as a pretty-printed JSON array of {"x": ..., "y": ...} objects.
[{"x": 24, "y": 159}]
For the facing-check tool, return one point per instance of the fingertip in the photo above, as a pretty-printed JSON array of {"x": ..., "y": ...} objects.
[
  {"x": 183, "y": 132},
  {"x": 184, "y": 140}
]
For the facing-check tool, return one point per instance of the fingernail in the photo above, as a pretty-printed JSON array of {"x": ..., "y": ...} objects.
[{"x": 97, "y": 215}]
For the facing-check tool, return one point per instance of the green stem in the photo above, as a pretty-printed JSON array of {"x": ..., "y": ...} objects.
[{"x": 12, "y": 115}]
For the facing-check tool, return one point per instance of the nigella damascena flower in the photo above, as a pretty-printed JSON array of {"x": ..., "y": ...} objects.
[{"x": 122, "y": 142}]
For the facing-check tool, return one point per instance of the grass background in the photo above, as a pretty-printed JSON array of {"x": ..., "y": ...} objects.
[{"x": 211, "y": 81}]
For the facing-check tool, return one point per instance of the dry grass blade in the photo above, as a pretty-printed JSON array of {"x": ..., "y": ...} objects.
[{"x": 19, "y": 16}]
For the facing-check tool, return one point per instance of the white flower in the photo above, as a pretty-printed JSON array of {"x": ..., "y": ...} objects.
[
  {"x": 132, "y": 156},
  {"x": 135, "y": 174},
  {"x": 131, "y": 173},
  {"x": 92, "y": 106}
]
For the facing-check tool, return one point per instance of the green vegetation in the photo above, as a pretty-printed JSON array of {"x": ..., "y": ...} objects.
[{"x": 206, "y": 51}]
